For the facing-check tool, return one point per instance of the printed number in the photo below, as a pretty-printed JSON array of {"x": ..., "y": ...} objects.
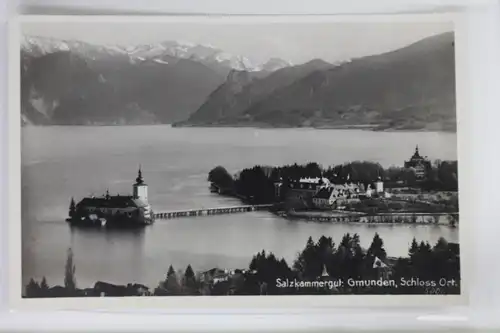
[{"x": 433, "y": 291}]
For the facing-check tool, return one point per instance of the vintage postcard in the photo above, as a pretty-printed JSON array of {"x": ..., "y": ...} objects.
[{"x": 275, "y": 161}]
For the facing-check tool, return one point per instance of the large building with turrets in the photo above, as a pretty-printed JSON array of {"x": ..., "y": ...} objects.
[
  {"x": 420, "y": 164},
  {"x": 114, "y": 210}
]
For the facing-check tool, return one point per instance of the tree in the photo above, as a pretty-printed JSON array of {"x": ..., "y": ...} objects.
[
  {"x": 172, "y": 283},
  {"x": 441, "y": 245},
  {"x": 221, "y": 177},
  {"x": 189, "y": 278},
  {"x": 447, "y": 174},
  {"x": 395, "y": 174},
  {"x": 357, "y": 171},
  {"x": 310, "y": 261},
  {"x": 409, "y": 176},
  {"x": 355, "y": 242},
  {"x": 313, "y": 170},
  {"x": 346, "y": 241},
  {"x": 44, "y": 286},
  {"x": 356, "y": 263},
  {"x": 377, "y": 248},
  {"x": 255, "y": 185},
  {"x": 69, "y": 277},
  {"x": 72, "y": 208},
  {"x": 189, "y": 272},
  {"x": 413, "y": 248},
  {"x": 267, "y": 269},
  {"x": 32, "y": 289}
]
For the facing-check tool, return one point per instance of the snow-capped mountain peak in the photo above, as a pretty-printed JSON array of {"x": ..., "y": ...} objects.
[
  {"x": 204, "y": 53},
  {"x": 274, "y": 64}
]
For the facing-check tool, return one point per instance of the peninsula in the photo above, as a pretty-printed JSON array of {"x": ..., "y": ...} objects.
[{"x": 360, "y": 191}]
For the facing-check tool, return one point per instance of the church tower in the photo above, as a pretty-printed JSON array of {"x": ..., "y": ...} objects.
[
  {"x": 140, "y": 188},
  {"x": 379, "y": 184}
]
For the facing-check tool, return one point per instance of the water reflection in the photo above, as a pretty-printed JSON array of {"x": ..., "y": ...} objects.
[{"x": 110, "y": 254}]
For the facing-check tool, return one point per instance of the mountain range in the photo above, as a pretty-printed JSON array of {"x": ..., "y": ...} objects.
[
  {"x": 77, "y": 83},
  {"x": 410, "y": 88}
]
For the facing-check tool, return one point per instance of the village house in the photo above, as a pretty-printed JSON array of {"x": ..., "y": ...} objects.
[
  {"x": 376, "y": 190},
  {"x": 337, "y": 195},
  {"x": 325, "y": 198},
  {"x": 301, "y": 192},
  {"x": 214, "y": 276},
  {"x": 321, "y": 193},
  {"x": 108, "y": 289}
]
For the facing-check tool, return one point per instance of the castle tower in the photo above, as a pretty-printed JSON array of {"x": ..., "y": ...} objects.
[{"x": 140, "y": 188}]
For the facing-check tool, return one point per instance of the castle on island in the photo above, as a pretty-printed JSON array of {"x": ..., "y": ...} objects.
[{"x": 114, "y": 210}]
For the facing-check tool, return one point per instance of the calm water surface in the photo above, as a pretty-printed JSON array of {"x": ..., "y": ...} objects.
[{"x": 61, "y": 162}]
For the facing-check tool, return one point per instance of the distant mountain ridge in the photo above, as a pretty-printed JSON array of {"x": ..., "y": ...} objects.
[
  {"x": 77, "y": 83},
  {"x": 244, "y": 89},
  {"x": 70, "y": 82},
  {"x": 67, "y": 88},
  {"x": 206, "y": 54},
  {"x": 410, "y": 88}
]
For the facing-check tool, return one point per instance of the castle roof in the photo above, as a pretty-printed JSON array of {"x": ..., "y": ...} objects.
[{"x": 112, "y": 201}]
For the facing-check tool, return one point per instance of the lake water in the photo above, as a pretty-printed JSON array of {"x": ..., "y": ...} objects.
[{"x": 61, "y": 162}]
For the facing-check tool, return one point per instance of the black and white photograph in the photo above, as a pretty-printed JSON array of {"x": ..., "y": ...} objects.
[{"x": 238, "y": 158}]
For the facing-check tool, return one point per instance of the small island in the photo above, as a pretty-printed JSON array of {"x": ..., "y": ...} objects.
[
  {"x": 114, "y": 211},
  {"x": 420, "y": 191}
]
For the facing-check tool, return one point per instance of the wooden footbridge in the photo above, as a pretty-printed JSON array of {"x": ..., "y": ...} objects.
[{"x": 211, "y": 211}]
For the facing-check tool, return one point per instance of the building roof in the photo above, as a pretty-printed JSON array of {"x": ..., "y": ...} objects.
[
  {"x": 304, "y": 186},
  {"x": 112, "y": 201},
  {"x": 324, "y": 193},
  {"x": 316, "y": 180},
  {"x": 347, "y": 187},
  {"x": 417, "y": 157},
  {"x": 139, "y": 180},
  {"x": 352, "y": 186}
]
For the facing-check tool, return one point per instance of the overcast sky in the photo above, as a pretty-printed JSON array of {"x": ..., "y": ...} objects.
[{"x": 296, "y": 42}]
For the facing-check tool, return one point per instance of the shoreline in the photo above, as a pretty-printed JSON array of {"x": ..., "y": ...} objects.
[
  {"x": 338, "y": 219},
  {"x": 370, "y": 128},
  {"x": 367, "y": 127}
]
